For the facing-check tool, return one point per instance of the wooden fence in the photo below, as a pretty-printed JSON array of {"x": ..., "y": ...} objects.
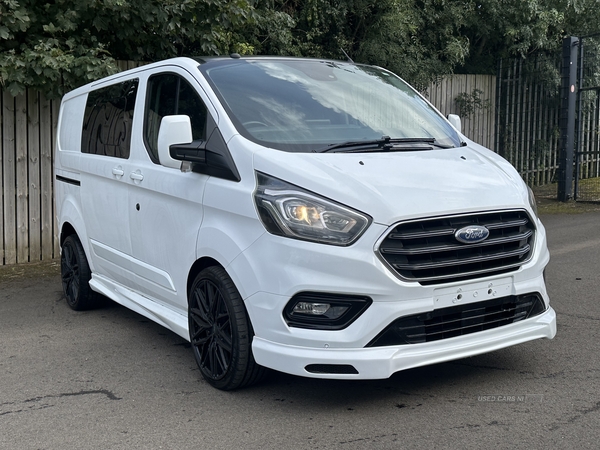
[
  {"x": 27, "y": 226},
  {"x": 473, "y": 97}
]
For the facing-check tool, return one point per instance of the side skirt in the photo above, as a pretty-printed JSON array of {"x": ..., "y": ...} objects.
[{"x": 174, "y": 321}]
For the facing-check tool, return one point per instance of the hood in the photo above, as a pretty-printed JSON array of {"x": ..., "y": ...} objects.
[{"x": 396, "y": 186}]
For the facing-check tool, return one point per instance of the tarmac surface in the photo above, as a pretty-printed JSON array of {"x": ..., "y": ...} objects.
[{"x": 111, "y": 379}]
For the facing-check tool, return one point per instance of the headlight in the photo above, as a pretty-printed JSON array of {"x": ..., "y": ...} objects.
[{"x": 288, "y": 210}]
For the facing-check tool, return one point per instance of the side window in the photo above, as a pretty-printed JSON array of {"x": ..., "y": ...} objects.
[
  {"x": 108, "y": 119},
  {"x": 169, "y": 94}
]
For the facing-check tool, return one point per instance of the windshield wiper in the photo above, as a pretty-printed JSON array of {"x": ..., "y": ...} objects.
[{"x": 384, "y": 144}]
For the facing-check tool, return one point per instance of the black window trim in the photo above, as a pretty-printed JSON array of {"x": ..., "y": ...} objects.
[
  {"x": 224, "y": 166},
  {"x": 147, "y": 102}
]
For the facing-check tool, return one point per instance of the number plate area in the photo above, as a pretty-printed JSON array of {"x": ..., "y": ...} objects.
[{"x": 471, "y": 293}]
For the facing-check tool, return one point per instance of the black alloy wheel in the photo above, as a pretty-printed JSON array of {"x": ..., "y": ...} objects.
[
  {"x": 76, "y": 274},
  {"x": 220, "y": 332}
]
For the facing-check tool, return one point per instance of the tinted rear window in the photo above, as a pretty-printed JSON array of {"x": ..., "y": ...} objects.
[{"x": 108, "y": 120}]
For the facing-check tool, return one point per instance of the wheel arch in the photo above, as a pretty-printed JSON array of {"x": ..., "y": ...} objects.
[
  {"x": 203, "y": 263},
  {"x": 68, "y": 228},
  {"x": 71, "y": 222},
  {"x": 66, "y": 231},
  {"x": 198, "y": 266}
]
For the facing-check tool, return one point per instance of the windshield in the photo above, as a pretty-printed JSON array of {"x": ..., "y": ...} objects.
[{"x": 307, "y": 105}]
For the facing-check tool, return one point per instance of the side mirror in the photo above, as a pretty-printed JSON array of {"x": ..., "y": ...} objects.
[
  {"x": 173, "y": 130},
  {"x": 176, "y": 145},
  {"x": 455, "y": 122}
]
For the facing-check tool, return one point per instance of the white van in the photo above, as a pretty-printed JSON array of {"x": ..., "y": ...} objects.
[{"x": 315, "y": 217}]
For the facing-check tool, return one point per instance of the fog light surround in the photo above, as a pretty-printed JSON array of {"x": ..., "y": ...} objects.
[{"x": 323, "y": 311}]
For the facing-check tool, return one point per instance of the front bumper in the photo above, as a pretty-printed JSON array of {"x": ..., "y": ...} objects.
[
  {"x": 273, "y": 269},
  {"x": 382, "y": 362}
]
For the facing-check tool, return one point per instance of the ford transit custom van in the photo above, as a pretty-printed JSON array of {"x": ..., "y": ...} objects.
[{"x": 315, "y": 217}]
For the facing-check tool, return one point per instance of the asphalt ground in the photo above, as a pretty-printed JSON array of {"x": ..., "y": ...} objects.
[{"x": 111, "y": 379}]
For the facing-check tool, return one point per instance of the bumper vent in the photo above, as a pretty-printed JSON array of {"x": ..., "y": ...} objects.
[
  {"x": 345, "y": 369},
  {"x": 428, "y": 251},
  {"x": 459, "y": 320}
]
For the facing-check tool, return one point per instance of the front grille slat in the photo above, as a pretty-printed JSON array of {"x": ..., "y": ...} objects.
[
  {"x": 427, "y": 250},
  {"x": 467, "y": 329},
  {"x": 460, "y": 320},
  {"x": 482, "y": 315},
  {"x": 471, "y": 260},
  {"x": 514, "y": 223},
  {"x": 422, "y": 234},
  {"x": 445, "y": 248}
]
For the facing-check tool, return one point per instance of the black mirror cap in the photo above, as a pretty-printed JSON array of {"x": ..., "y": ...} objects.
[
  {"x": 218, "y": 161},
  {"x": 209, "y": 157},
  {"x": 192, "y": 152}
]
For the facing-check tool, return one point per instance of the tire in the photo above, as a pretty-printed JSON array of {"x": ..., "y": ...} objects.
[
  {"x": 220, "y": 332},
  {"x": 76, "y": 274}
]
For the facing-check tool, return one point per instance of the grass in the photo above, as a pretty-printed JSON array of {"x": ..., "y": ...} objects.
[
  {"x": 42, "y": 269},
  {"x": 546, "y": 198}
]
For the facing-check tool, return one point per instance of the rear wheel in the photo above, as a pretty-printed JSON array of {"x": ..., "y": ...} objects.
[
  {"x": 220, "y": 332},
  {"x": 76, "y": 274}
]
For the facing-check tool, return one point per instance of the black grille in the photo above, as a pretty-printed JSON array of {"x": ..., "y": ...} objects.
[
  {"x": 459, "y": 320},
  {"x": 427, "y": 251}
]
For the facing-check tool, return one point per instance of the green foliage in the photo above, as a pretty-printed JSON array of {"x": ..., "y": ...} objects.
[
  {"x": 417, "y": 39},
  {"x": 507, "y": 28},
  {"x": 420, "y": 39},
  {"x": 423, "y": 39},
  {"x": 56, "y": 46},
  {"x": 469, "y": 103}
]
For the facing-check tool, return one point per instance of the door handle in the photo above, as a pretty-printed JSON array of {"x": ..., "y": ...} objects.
[
  {"x": 118, "y": 172},
  {"x": 136, "y": 176}
]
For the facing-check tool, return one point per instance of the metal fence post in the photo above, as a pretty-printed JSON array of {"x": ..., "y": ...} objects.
[{"x": 567, "y": 117}]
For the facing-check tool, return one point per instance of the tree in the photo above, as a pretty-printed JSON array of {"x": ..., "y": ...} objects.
[
  {"x": 512, "y": 28},
  {"x": 61, "y": 44},
  {"x": 400, "y": 35},
  {"x": 518, "y": 28},
  {"x": 423, "y": 39},
  {"x": 55, "y": 46},
  {"x": 418, "y": 39}
]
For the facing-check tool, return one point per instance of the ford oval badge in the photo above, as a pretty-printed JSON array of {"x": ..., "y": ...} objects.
[{"x": 472, "y": 234}]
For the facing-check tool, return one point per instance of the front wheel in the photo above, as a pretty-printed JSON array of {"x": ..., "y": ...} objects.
[{"x": 220, "y": 332}]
